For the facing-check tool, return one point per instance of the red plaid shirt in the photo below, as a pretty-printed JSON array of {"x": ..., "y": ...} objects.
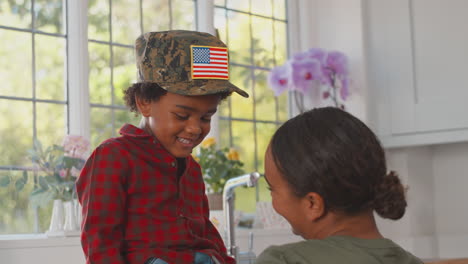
[{"x": 134, "y": 206}]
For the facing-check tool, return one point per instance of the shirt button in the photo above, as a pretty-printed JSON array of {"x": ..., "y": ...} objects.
[
  {"x": 173, "y": 164},
  {"x": 154, "y": 141}
]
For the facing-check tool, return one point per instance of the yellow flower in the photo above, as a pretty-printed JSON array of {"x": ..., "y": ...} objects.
[
  {"x": 233, "y": 154},
  {"x": 208, "y": 142},
  {"x": 197, "y": 159}
]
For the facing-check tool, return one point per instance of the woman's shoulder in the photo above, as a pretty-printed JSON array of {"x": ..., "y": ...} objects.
[
  {"x": 337, "y": 250},
  {"x": 298, "y": 252}
]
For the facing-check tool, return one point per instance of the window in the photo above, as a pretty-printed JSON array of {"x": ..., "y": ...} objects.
[
  {"x": 113, "y": 27},
  {"x": 255, "y": 32},
  {"x": 35, "y": 95},
  {"x": 45, "y": 82},
  {"x": 33, "y": 98}
]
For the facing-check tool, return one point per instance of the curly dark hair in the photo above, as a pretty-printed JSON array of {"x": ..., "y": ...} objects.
[
  {"x": 151, "y": 92},
  {"x": 330, "y": 152}
]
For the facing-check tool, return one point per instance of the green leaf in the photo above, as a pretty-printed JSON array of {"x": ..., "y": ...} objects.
[
  {"x": 43, "y": 183},
  {"x": 38, "y": 146},
  {"x": 25, "y": 176},
  {"x": 5, "y": 181},
  {"x": 40, "y": 198},
  {"x": 19, "y": 184}
]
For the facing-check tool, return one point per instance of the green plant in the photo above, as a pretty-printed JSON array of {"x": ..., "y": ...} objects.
[
  {"x": 218, "y": 165},
  {"x": 56, "y": 167}
]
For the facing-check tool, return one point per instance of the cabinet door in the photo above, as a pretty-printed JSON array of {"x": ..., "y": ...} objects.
[{"x": 418, "y": 63}]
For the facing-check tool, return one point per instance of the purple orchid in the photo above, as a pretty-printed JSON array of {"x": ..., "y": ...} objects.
[
  {"x": 317, "y": 53},
  {"x": 344, "y": 91},
  {"x": 313, "y": 69},
  {"x": 337, "y": 62},
  {"x": 305, "y": 72},
  {"x": 278, "y": 78}
]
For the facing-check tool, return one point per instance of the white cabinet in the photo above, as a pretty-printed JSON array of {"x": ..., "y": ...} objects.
[{"x": 417, "y": 68}]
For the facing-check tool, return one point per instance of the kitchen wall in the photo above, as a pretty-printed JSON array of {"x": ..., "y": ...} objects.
[{"x": 435, "y": 225}]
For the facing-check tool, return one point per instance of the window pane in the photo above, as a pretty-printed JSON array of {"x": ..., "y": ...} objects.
[
  {"x": 99, "y": 74},
  {"x": 245, "y": 199},
  {"x": 223, "y": 108},
  {"x": 51, "y": 123},
  {"x": 256, "y": 44},
  {"x": 279, "y": 9},
  {"x": 15, "y": 13},
  {"x": 241, "y": 5},
  {"x": 262, "y": 35},
  {"x": 283, "y": 107},
  {"x": 156, "y": 15},
  {"x": 239, "y": 38},
  {"x": 243, "y": 140},
  {"x": 220, "y": 22},
  {"x": 241, "y": 107},
  {"x": 280, "y": 44},
  {"x": 224, "y": 133},
  {"x": 98, "y": 20},
  {"x": 124, "y": 72},
  {"x": 16, "y": 215},
  {"x": 125, "y": 117},
  {"x": 262, "y": 7},
  {"x": 183, "y": 15},
  {"x": 264, "y": 133},
  {"x": 50, "y": 67},
  {"x": 15, "y": 116},
  {"x": 15, "y": 63},
  {"x": 220, "y": 2},
  {"x": 50, "y": 16},
  {"x": 101, "y": 125},
  {"x": 125, "y": 21},
  {"x": 263, "y": 192},
  {"x": 264, "y": 98}
]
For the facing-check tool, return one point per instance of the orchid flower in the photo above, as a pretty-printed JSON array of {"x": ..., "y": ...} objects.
[
  {"x": 305, "y": 72},
  {"x": 278, "y": 79},
  {"x": 313, "y": 69}
]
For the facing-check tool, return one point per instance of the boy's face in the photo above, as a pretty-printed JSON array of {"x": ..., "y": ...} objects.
[{"x": 181, "y": 122}]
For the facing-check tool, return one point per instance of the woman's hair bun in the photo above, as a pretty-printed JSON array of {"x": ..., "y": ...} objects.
[{"x": 390, "y": 197}]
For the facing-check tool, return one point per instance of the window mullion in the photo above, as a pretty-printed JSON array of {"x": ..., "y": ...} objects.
[
  {"x": 77, "y": 54},
  {"x": 205, "y": 23}
]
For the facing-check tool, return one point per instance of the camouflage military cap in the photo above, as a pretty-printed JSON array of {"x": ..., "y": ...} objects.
[{"x": 184, "y": 62}]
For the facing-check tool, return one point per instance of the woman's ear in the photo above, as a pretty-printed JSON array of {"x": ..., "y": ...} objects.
[
  {"x": 144, "y": 106},
  {"x": 314, "y": 206}
]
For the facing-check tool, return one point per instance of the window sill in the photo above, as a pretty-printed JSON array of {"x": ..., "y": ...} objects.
[
  {"x": 42, "y": 240},
  {"x": 37, "y": 241}
]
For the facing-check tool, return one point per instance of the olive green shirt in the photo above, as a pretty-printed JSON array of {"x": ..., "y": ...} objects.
[{"x": 338, "y": 249}]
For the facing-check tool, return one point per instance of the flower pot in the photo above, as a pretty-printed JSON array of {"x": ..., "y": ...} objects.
[
  {"x": 71, "y": 223},
  {"x": 79, "y": 216},
  {"x": 56, "y": 219},
  {"x": 215, "y": 201}
]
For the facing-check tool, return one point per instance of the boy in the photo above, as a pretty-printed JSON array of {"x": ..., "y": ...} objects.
[{"x": 143, "y": 194}]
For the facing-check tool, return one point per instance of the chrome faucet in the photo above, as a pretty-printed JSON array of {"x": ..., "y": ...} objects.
[{"x": 249, "y": 180}]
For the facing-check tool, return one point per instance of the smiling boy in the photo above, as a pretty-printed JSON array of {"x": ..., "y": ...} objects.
[{"x": 142, "y": 193}]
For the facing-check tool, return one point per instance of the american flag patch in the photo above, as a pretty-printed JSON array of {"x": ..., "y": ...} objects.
[{"x": 209, "y": 62}]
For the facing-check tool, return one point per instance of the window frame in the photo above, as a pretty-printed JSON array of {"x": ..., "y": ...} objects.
[{"x": 78, "y": 99}]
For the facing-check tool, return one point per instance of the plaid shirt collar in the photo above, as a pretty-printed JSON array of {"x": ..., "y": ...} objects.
[{"x": 132, "y": 131}]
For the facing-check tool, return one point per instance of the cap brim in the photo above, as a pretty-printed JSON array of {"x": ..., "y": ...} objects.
[{"x": 202, "y": 87}]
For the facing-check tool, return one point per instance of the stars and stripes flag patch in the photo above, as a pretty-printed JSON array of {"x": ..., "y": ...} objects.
[{"x": 209, "y": 62}]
